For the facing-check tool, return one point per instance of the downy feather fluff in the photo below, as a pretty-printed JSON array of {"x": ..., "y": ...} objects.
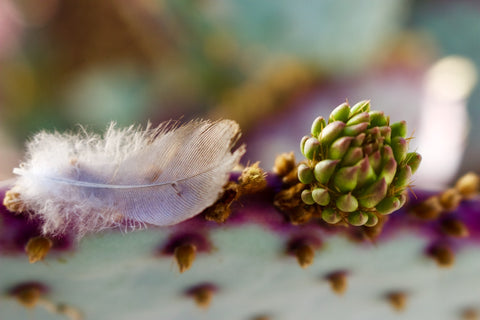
[{"x": 83, "y": 182}]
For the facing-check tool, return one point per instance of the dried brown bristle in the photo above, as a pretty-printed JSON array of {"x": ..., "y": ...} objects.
[
  {"x": 305, "y": 254},
  {"x": 454, "y": 228},
  {"x": 289, "y": 202},
  {"x": 372, "y": 233},
  {"x": 450, "y": 199},
  {"x": 468, "y": 185},
  {"x": 185, "y": 256},
  {"x": 469, "y": 314},
  {"x": 338, "y": 281},
  {"x": 252, "y": 179},
  {"x": 284, "y": 164},
  {"x": 12, "y": 201},
  {"x": 429, "y": 209},
  {"x": 443, "y": 255},
  {"x": 397, "y": 299},
  {"x": 220, "y": 210},
  {"x": 37, "y": 248}
]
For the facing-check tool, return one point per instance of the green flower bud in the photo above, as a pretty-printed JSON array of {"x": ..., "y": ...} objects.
[
  {"x": 389, "y": 165},
  {"x": 378, "y": 119},
  {"x": 403, "y": 198},
  {"x": 386, "y": 133},
  {"x": 338, "y": 149},
  {"x": 375, "y": 160},
  {"x": 388, "y": 205},
  {"x": 305, "y": 174},
  {"x": 331, "y": 132},
  {"x": 366, "y": 174},
  {"x": 355, "y": 129},
  {"x": 324, "y": 169},
  {"x": 340, "y": 113},
  {"x": 362, "y": 106},
  {"x": 372, "y": 220},
  {"x": 359, "y": 118},
  {"x": 345, "y": 179},
  {"x": 402, "y": 178},
  {"x": 307, "y": 197},
  {"x": 317, "y": 126},
  {"x": 413, "y": 159},
  {"x": 302, "y": 144},
  {"x": 357, "y": 218},
  {"x": 347, "y": 203},
  {"x": 331, "y": 216},
  {"x": 352, "y": 156},
  {"x": 321, "y": 196},
  {"x": 373, "y": 194},
  {"x": 358, "y": 141},
  {"x": 399, "y": 129},
  {"x": 312, "y": 149},
  {"x": 400, "y": 148},
  {"x": 374, "y": 133}
]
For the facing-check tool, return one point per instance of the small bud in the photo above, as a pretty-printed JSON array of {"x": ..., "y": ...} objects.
[
  {"x": 402, "y": 198},
  {"x": 366, "y": 175},
  {"x": 352, "y": 156},
  {"x": 359, "y": 118},
  {"x": 338, "y": 282},
  {"x": 357, "y": 218},
  {"x": 374, "y": 133},
  {"x": 321, "y": 196},
  {"x": 388, "y": 205},
  {"x": 12, "y": 201},
  {"x": 307, "y": 197},
  {"x": 413, "y": 159},
  {"x": 372, "y": 220},
  {"x": 443, "y": 255},
  {"x": 354, "y": 130},
  {"x": 331, "y": 216},
  {"x": 317, "y": 126},
  {"x": 312, "y": 148},
  {"x": 305, "y": 255},
  {"x": 305, "y": 173},
  {"x": 399, "y": 129},
  {"x": 450, "y": 199},
  {"x": 340, "y": 113},
  {"x": 398, "y": 300},
  {"x": 468, "y": 185},
  {"x": 324, "y": 170},
  {"x": 358, "y": 141},
  {"x": 331, "y": 132},
  {"x": 386, "y": 133},
  {"x": 400, "y": 148},
  {"x": 375, "y": 160},
  {"x": 362, "y": 106},
  {"x": 429, "y": 209},
  {"x": 339, "y": 147},
  {"x": 373, "y": 194},
  {"x": 185, "y": 256},
  {"x": 454, "y": 228},
  {"x": 378, "y": 119},
  {"x": 402, "y": 177},
  {"x": 389, "y": 165},
  {"x": 302, "y": 144},
  {"x": 37, "y": 248},
  {"x": 345, "y": 179},
  {"x": 347, "y": 203}
]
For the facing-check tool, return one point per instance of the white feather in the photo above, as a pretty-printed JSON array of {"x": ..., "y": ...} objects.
[{"x": 84, "y": 182}]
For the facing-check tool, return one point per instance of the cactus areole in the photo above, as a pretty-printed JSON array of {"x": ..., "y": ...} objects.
[{"x": 358, "y": 166}]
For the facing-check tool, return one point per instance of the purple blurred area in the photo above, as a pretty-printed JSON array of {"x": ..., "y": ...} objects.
[{"x": 271, "y": 66}]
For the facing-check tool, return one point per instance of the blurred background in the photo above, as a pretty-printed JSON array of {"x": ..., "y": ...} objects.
[{"x": 272, "y": 66}]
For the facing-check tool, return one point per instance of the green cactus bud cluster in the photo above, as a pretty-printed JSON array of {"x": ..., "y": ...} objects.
[{"x": 358, "y": 165}]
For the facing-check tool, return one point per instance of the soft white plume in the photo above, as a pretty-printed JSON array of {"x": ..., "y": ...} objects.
[{"x": 84, "y": 182}]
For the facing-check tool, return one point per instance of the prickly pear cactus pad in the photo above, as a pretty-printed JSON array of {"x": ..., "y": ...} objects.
[
  {"x": 264, "y": 250},
  {"x": 358, "y": 166}
]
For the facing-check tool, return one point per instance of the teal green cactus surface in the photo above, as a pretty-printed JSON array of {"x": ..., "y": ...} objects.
[{"x": 358, "y": 165}]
